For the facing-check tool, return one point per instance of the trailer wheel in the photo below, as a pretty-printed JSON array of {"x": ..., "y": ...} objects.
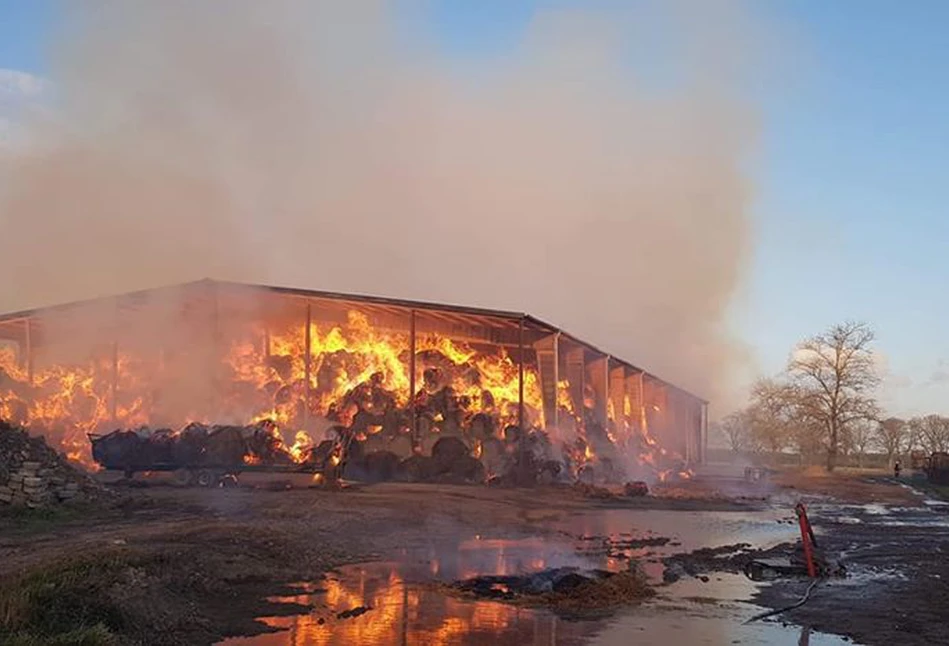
[
  {"x": 228, "y": 481},
  {"x": 183, "y": 477},
  {"x": 206, "y": 479}
]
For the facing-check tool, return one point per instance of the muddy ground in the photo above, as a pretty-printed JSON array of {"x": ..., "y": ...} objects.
[{"x": 166, "y": 565}]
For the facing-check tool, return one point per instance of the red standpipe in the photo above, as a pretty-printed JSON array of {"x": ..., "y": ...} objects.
[{"x": 807, "y": 539}]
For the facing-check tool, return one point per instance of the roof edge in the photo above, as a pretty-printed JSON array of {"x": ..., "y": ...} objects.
[{"x": 359, "y": 298}]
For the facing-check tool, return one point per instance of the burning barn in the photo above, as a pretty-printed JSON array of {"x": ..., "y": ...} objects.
[{"x": 295, "y": 377}]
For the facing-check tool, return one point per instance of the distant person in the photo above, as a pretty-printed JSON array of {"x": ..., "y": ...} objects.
[{"x": 897, "y": 467}]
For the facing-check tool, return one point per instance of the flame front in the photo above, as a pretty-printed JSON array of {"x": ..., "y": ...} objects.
[
  {"x": 57, "y": 401},
  {"x": 353, "y": 375}
]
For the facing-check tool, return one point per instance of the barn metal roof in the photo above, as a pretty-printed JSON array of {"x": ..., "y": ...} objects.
[{"x": 451, "y": 313}]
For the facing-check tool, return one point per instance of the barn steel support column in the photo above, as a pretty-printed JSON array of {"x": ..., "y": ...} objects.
[
  {"x": 29, "y": 350},
  {"x": 548, "y": 362},
  {"x": 520, "y": 374},
  {"x": 114, "y": 384},
  {"x": 556, "y": 381},
  {"x": 635, "y": 394},
  {"x": 576, "y": 376},
  {"x": 416, "y": 443},
  {"x": 214, "y": 356},
  {"x": 703, "y": 432},
  {"x": 307, "y": 365},
  {"x": 599, "y": 380},
  {"x": 643, "y": 424},
  {"x": 617, "y": 390}
]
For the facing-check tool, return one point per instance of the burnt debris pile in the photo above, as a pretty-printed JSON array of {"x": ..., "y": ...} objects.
[
  {"x": 568, "y": 591},
  {"x": 32, "y": 474}
]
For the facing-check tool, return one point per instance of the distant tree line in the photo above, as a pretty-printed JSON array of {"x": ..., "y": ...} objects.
[{"x": 823, "y": 407}]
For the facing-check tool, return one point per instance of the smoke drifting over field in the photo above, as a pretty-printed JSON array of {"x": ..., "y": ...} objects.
[{"x": 593, "y": 178}]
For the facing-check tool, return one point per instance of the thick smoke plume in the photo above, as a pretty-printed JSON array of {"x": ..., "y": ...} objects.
[{"x": 591, "y": 177}]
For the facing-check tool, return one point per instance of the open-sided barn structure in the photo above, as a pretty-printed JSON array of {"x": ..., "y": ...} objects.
[{"x": 220, "y": 351}]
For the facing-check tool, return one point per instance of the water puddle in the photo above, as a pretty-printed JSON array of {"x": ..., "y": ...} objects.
[
  {"x": 404, "y": 611},
  {"x": 705, "y": 625},
  {"x": 384, "y": 604},
  {"x": 400, "y": 603},
  {"x": 720, "y": 586},
  {"x": 688, "y": 531},
  {"x": 927, "y": 515}
]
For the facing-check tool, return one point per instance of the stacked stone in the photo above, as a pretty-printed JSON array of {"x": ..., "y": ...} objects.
[
  {"x": 34, "y": 486},
  {"x": 32, "y": 474}
]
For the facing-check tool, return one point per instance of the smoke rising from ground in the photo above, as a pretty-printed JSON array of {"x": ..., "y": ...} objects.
[{"x": 592, "y": 179}]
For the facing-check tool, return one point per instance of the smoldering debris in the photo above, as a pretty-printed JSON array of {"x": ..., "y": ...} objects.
[{"x": 567, "y": 591}]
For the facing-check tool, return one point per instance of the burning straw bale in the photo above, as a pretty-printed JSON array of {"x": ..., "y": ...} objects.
[
  {"x": 354, "y": 382},
  {"x": 566, "y": 591},
  {"x": 200, "y": 445},
  {"x": 32, "y": 474}
]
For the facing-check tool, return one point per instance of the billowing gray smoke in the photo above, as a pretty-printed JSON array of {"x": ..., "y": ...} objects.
[{"x": 592, "y": 177}]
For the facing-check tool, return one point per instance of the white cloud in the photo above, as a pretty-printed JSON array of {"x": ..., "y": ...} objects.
[
  {"x": 14, "y": 83},
  {"x": 22, "y": 96}
]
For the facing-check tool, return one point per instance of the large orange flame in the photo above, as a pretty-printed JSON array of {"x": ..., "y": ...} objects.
[
  {"x": 264, "y": 375},
  {"x": 265, "y": 378}
]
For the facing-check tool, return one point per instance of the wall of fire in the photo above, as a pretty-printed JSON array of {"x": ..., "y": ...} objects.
[{"x": 224, "y": 353}]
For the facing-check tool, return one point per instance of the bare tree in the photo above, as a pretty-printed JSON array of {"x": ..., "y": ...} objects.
[
  {"x": 914, "y": 437},
  {"x": 737, "y": 431},
  {"x": 808, "y": 439},
  {"x": 835, "y": 375},
  {"x": 932, "y": 432},
  {"x": 893, "y": 435},
  {"x": 770, "y": 415},
  {"x": 859, "y": 438}
]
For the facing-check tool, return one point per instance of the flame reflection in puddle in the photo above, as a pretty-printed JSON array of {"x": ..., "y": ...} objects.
[{"x": 404, "y": 612}]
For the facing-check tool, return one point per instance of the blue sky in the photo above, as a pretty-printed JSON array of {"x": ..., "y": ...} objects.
[
  {"x": 850, "y": 179},
  {"x": 852, "y": 190}
]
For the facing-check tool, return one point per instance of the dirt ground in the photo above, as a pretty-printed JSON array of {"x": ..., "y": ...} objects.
[
  {"x": 895, "y": 547},
  {"x": 168, "y": 565}
]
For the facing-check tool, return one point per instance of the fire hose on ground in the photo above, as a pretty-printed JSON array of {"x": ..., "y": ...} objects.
[
  {"x": 803, "y": 600},
  {"x": 809, "y": 542}
]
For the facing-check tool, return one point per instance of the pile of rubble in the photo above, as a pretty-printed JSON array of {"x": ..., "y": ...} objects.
[
  {"x": 568, "y": 591},
  {"x": 32, "y": 474},
  {"x": 636, "y": 489}
]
